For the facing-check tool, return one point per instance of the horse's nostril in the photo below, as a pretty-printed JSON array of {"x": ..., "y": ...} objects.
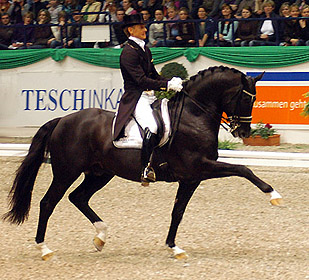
[{"x": 243, "y": 134}]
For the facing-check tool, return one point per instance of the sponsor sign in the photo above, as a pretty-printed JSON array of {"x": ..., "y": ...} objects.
[{"x": 280, "y": 97}]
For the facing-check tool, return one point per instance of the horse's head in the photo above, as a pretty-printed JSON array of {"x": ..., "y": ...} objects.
[
  {"x": 222, "y": 89},
  {"x": 240, "y": 104}
]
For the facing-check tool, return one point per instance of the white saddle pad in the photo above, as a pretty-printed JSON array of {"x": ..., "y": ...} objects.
[{"x": 133, "y": 138}]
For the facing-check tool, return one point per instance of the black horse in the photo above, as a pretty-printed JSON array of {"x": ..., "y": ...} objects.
[{"x": 82, "y": 143}]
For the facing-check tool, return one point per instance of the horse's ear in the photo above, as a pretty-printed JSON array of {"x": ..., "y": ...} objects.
[{"x": 259, "y": 77}]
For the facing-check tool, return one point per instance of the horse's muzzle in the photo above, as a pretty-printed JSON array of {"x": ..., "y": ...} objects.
[{"x": 241, "y": 133}]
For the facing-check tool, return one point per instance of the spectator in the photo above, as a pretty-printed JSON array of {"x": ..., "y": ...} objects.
[
  {"x": 285, "y": 9},
  {"x": 91, "y": 6},
  {"x": 4, "y": 6},
  {"x": 17, "y": 11},
  {"x": 69, "y": 6},
  {"x": 153, "y": 5},
  {"x": 304, "y": 25},
  {"x": 110, "y": 8},
  {"x": 146, "y": 15},
  {"x": 106, "y": 4},
  {"x": 166, "y": 4},
  {"x": 36, "y": 6},
  {"x": 292, "y": 30},
  {"x": 213, "y": 6},
  {"x": 60, "y": 32},
  {"x": 6, "y": 33},
  {"x": 185, "y": 37},
  {"x": 192, "y": 6},
  {"x": 139, "y": 5},
  {"x": 74, "y": 37},
  {"x": 270, "y": 29},
  {"x": 23, "y": 36},
  {"x": 205, "y": 28},
  {"x": 226, "y": 27},
  {"x": 301, "y": 3},
  {"x": 120, "y": 37},
  {"x": 172, "y": 28},
  {"x": 278, "y": 4},
  {"x": 233, "y": 4},
  {"x": 43, "y": 35},
  {"x": 127, "y": 6},
  {"x": 156, "y": 30},
  {"x": 246, "y": 30},
  {"x": 245, "y": 3},
  {"x": 54, "y": 8}
]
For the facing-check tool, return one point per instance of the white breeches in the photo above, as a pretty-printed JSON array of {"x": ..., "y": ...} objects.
[{"x": 143, "y": 111}]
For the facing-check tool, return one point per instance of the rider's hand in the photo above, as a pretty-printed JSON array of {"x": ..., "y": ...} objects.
[{"x": 175, "y": 84}]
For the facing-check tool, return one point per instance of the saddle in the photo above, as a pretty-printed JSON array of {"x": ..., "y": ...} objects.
[{"x": 134, "y": 134}]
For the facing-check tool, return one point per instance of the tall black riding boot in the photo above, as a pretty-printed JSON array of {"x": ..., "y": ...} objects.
[{"x": 149, "y": 142}]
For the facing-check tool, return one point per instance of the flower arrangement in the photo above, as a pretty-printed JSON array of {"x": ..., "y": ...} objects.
[{"x": 263, "y": 130}]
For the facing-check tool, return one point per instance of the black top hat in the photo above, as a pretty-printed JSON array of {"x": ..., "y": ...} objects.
[{"x": 130, "y": 20}]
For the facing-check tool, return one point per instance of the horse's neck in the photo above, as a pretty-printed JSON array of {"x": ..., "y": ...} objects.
[{"x": 194, "y": 120}]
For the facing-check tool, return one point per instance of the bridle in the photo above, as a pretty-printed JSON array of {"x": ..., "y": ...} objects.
[{"x": 234, "y": 121}]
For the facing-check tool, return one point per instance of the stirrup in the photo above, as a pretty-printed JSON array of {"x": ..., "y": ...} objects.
[{"x": 148, "y": 176}]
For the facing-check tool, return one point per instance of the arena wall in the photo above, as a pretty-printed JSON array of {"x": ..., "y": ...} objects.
[{"x": 33, "y": 94}]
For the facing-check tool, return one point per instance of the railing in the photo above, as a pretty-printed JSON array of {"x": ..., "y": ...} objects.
[{"x": 278, "y": 22}]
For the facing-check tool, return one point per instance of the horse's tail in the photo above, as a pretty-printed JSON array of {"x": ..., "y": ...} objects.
[{"x": 20, "y": 194}]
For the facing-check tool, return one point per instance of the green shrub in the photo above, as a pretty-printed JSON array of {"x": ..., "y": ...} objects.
[
  {"x": 169, "y": 71},
  {"x": 174, "y": 69}
]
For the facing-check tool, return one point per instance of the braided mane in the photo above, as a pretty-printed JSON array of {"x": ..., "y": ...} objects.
[{"x": 210, "y": 71}]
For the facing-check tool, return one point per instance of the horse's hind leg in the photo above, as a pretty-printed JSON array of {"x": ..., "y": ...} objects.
[
  {"x": 80, "y": 198},
  {"x": 47, "y": 205}
]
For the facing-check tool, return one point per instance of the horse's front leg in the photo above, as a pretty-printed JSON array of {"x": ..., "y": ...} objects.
[
  {"x": 184, "y": 193},
  {"x": 217, "y": 169}
]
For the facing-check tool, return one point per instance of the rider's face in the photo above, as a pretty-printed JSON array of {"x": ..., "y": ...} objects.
[{"x": 138, "y": 31}]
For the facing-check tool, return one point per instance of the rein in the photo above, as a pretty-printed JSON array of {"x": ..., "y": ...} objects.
[
  {"x": 206, "y": 110},
  {"x": 179, "y": 104}
]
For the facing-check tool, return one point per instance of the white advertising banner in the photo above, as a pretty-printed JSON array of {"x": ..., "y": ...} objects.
[{"x": 32, "y": 95}]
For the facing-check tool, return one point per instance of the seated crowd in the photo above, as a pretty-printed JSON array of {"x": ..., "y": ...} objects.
[{"x": 40, "y": 24}]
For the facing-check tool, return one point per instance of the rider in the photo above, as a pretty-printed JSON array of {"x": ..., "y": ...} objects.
[{"x": 140, "y": 79}]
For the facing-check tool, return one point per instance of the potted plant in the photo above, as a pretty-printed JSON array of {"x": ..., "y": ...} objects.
[{"x": 262, "y": 135}]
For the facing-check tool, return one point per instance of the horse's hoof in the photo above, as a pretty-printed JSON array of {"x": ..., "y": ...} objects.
[
  {"x": 144, "y": 183},
  {"x": 98, "y": 243},
  {"x": 179, "y": 254},
  {"x": 276, "y": 202},
  {"x": 48, "y": 256},
  {"x": 276, "y": 198}
]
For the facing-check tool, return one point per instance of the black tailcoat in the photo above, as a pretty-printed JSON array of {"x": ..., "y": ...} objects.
[{"x": 139, "y": 74}]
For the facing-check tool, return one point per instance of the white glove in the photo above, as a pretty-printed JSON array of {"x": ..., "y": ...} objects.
[{"x": 174, "y": 84}]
